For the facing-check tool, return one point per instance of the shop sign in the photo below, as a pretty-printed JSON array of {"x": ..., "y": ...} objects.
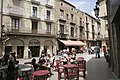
[{"x": 34, "y": 42}]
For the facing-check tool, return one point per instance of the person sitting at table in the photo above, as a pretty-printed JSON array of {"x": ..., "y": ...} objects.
[
  {"x": 43, "y": 66},
  {"x": 35, "y": 65},
  {"x": 73, "y": 55},
  {"x": 53, "y": 58},
  {"x": 49, "y": 64},
  {"x": 65, "y": 58},
  {"x": 12, "y": 70}
]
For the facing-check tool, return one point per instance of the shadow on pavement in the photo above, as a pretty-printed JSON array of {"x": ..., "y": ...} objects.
[{"x": 97, "y": 69}]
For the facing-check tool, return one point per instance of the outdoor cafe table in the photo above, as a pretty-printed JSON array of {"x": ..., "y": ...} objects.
[
  {"x": 26, "y": 71},
  {"x": 67, "y": 66},
  {"x": 41, "y": 74},
  {"x": 79, "y": 59}
]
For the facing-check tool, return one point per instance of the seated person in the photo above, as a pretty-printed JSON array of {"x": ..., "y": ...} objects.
[
  {"x": 44, "y": 65},
  {"x": 72, "y": 58},
  {"x": 65, "y": 58},
  {"x": 35, "y": 65}
]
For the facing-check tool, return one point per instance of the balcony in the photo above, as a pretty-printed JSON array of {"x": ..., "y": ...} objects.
[
  {"x": 29, "y": 32},
  {"x": 49, "y": 5},
  {"x": 49, "y": 20},
  {"x": 15, "y": 11},
  {"x": 35, "y": 17},
  {"x": 81, "y": 24},
  {"x": 35, "y": 2},
  {"x": 12, "y": 30},
  {"x": 73, "y": 37},
  {"x": 62, "y": 19},
  {"x": 72, "y": 23},
  {"x": 63, "y": 35},
  {"x": 34, "y": 31},
  {"x": 48, "y": 32}
]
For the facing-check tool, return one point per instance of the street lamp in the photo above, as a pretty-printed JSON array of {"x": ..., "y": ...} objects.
[{"x": 96, "y": 9}]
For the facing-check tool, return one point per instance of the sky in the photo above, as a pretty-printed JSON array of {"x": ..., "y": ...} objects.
[{"x": 84, "y": 5}]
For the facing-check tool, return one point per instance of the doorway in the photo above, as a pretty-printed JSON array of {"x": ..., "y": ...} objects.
[
  {"x": 35, "y": 50},
  {"x": 20, "y": 51},
  {"x": 8, "y": 49}
]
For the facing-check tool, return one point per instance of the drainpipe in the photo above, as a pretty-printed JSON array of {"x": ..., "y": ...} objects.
[{"x": 1, "y": 28}]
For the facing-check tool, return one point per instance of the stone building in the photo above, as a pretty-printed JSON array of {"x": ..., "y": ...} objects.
[
  {"x": 73, "y": 24},
  {"x": 65, "y": 18},
  {"x": 92, "y": 30},
  {"x": 29, "y": 25},
  {"x": 113, "y": 8},
  {"x": 103, "y": 21},
  {"x": 41, "y": 24}
]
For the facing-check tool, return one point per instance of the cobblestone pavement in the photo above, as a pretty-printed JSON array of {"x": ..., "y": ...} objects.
[{"x": 97, "y": 68}]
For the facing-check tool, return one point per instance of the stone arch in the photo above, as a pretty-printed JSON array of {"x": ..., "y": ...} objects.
[
  {"x": 14, "y": 42},
  {"x": 48, "y": 43},
  {"x": 34, "y": 42}
]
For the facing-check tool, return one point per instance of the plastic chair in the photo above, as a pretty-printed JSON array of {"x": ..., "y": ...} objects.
[
  {"x": 55, "y": 64},
  {"x": 60, "y": 69},
  {"x": 82, "y": 67},
  {"x": 72, "y": 72}
]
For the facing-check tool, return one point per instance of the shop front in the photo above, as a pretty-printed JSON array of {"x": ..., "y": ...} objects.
[
  {"x": 34, "y": 46},
  {"x": 15, "y": 45}
]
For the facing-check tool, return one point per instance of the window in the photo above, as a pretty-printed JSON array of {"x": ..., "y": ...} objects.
[
  {"x": 61, "y": 13},
  {"x": 71, "y": 8},
  {"x": 67, "y": 16},
  {"x": 80, "y": 21},
  {"x": 93, "y": 36},
  {"x": 48, "y": 14},
  {"x": 93, "y": 28},
  {"x": 48, "y": 27},
  {"x": 86, "y": 19},
  {"x": 61, "y": 4},
  {"x": 98, "y": 36},
  {"x": 81, "y": 32},
  {"x": 61, "y": 28},
  {"x": 71, "y": 17},
  {"x": 15, "y": 23},
  {"x": 72, "y": 31},
  {"x": 34, "y": 26},
  {"x": 34, "y": 11}
]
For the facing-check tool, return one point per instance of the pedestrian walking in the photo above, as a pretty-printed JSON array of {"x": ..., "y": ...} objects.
[
  {"x": 97, "y": 51},
  {"x": 104, "y": 50},
  {"x": 108, "y": 57},
  {"x": 89, "y": 50}
]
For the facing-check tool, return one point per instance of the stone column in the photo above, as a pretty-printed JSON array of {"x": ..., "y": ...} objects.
[
  {"x": 25, "y": 52},
  {"x": 54, "y": 49},
  {"x": 41, "y": 48}
]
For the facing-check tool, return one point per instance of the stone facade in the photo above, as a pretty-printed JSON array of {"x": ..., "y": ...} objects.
[
  {"x": 114, "y": 32},
  {"x": 29, "y": 25},
  {"x": 39, "y": 24},
  {"x": 92, "y": 30}
]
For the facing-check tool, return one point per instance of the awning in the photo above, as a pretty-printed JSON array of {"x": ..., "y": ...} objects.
[{"x": 72, "y": 43}]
